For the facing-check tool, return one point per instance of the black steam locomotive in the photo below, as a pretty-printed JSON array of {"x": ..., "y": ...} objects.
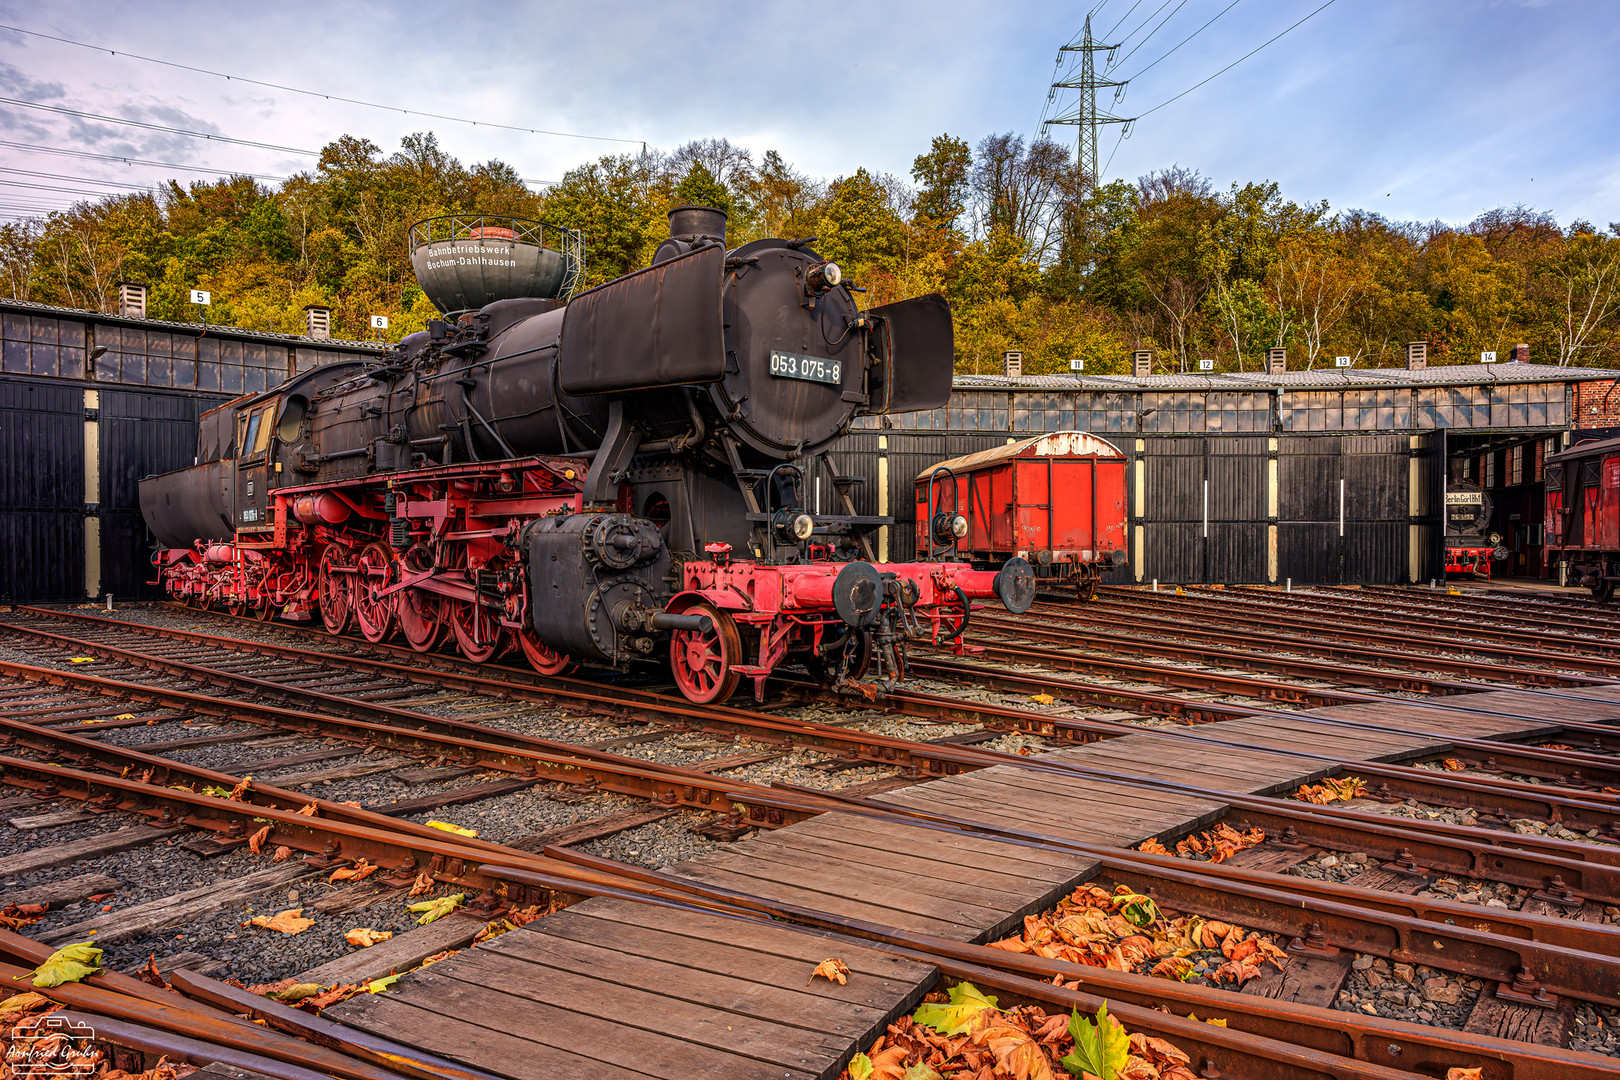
[{"x": 634, "y": 472}]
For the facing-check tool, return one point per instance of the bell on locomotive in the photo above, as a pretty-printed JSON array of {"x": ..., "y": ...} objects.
[{"x": 642, "y": 472}]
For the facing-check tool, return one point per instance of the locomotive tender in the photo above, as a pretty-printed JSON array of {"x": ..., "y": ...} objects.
[{"x": 634, "y": 472}]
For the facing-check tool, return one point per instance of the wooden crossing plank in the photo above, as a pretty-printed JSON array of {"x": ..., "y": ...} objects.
[
  {"x": 872, "y": 902},
  {"x": 1308, "y": 980},
  {"x": 1048, "y": 867},
  {"x": 647, "y": 1030},
  {"x": 487, "y": 1037},
  {"x": 567, "y": 945},
  {"x": 746, "y": 949},
  {"x": 399, "y": 953}
]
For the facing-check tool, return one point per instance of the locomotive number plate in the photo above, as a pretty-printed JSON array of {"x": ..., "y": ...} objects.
[{"x": 786, "y": 365}]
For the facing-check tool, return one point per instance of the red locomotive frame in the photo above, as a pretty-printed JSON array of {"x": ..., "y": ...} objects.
[{"x": 432, "y": 555}]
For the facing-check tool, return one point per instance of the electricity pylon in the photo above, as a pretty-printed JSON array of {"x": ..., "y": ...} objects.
[{"x": 1084, "y": 114}]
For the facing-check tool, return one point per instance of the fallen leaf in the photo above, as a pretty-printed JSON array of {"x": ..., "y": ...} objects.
[
  {"x": 358, "y": 872},
  {"x": 150, "y": 975},
  {"x": 1452, "y": 764},
  {"x": 70, "y": 963},
  {"x": 365, "y": 937},
  {"x": 860, "y": 1067},
  {"x": 296, "y": 992},
  {"x": 282, "y": 854},
  {"x": 1173, "y": 967},
  {"x": 966, "y": 1010},
  {"x": 332, "y": 996},
  {"x": 1152, "y": 847},
  {"x": 256, "y": 841},
  {"x": 433, "y": 910},
  {"x": 25, "y": 1001},
  {"x": 82, "y": 660},
  {"x": 216, "y": 791},
  {"x": 436, "y": 957},
  {"x": 308, "y": 811},
  {"x": 422, "y": 884},
  {"x": 241, "y": 789},
  {"x": 1100, "y": 1048},
  {"x": 287, "y": 922},
  {"x": 125, "y": 716},
  {"x": 1042, "y": 699},
  {"x": 449, "y": 828},
  {"x": 377, "y": 986},
  {"x": 831, "y": 969},
  {"x": 1465, "y": 1074}
]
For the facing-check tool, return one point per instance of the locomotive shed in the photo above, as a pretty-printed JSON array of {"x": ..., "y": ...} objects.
[{"x": 900, "y": 836}]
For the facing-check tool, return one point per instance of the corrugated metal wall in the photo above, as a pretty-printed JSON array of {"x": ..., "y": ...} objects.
[
  {"x": 141, "y": 434},
  {"x": 42, "y": 489},
  {"x": 1345, "y": 508}
]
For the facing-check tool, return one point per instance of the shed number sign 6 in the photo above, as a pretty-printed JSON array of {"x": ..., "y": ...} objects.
[{"x": 788, "y": 365}]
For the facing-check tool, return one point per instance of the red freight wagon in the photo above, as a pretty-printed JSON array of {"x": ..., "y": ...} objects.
[
  {"x": 1057, "y": 500},
  {"x": 1583, "y": 514}
]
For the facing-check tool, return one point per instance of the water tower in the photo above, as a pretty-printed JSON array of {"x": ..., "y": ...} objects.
[{"x": 464, "y": 261}]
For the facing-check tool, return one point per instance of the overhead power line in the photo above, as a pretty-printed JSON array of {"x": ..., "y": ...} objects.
[
  {"x": 324, "y": 96},
  {"x": 75, "y": 179},
  {"x": 1238, "y": 61},
  {"x": 48, "y": 187},
  {"x": 156, "y": 127},
  {"x": 1115, "y": 63},
  {"x": 118, "y": 158},
  {"x": 1186, "y": 39}
]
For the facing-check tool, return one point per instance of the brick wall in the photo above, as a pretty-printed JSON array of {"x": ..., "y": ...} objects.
[{"x": 1597, "y": 404}]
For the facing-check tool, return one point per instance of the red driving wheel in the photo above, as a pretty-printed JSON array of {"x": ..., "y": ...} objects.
[
  {"x": 542, "y": 657},
  {"x": 373, "y": 572},
  {"x": 336, "y": 589},
  {"x": 704, "y": 663}
]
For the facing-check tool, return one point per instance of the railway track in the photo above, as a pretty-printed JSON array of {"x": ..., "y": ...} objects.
[{"x": 60, "y": 724}]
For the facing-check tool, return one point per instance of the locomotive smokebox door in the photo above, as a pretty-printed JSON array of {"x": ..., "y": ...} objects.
[{"x": 916, "y": 351}]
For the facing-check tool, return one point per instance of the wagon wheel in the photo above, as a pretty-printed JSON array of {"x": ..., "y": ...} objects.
[
  {"x": 704, "y": 664},
  {"x": 542, "y": 657},
  {"x": 374, "y": 572},
  {"x": 478, "y": 635},
  {"x": 421, "y": 618},
  {"x": 235, "y": 607},
  {"x": 823, "y": 666},
  {"x": 1602, "y": 591},
  {"x": 1085, "y": 587},
  {"x": 264, "y": 610},
  {"x": 336, "y": 590}
]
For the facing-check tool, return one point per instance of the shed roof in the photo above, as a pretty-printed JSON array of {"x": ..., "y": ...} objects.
[
  {"x": 1587, "y": 449},
  {"x": 1316, "y": 379},
  {"x": 297, "y": 340},
  {"x": 1051, "y": 444}
]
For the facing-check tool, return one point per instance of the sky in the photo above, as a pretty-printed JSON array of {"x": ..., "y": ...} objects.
[{"x": 1415, "y": 109}]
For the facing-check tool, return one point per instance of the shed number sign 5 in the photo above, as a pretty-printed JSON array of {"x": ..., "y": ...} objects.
[{"x": 788, "y": 365}]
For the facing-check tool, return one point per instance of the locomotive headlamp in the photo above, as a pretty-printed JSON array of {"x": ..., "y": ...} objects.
[
  {"x": 825, "y": 276},
  {"x": 949, "y": 528},
  {"x": 794, "y": 525},
  {"x": 1496, "y": 538}
]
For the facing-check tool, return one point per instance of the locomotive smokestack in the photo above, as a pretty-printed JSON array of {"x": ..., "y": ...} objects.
[{"x": 688, "y": 223}]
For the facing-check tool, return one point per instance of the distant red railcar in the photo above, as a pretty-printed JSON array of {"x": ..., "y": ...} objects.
[
  {"x": 1583, "y": 515},
  {"x": 1057, "y": 500}
]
